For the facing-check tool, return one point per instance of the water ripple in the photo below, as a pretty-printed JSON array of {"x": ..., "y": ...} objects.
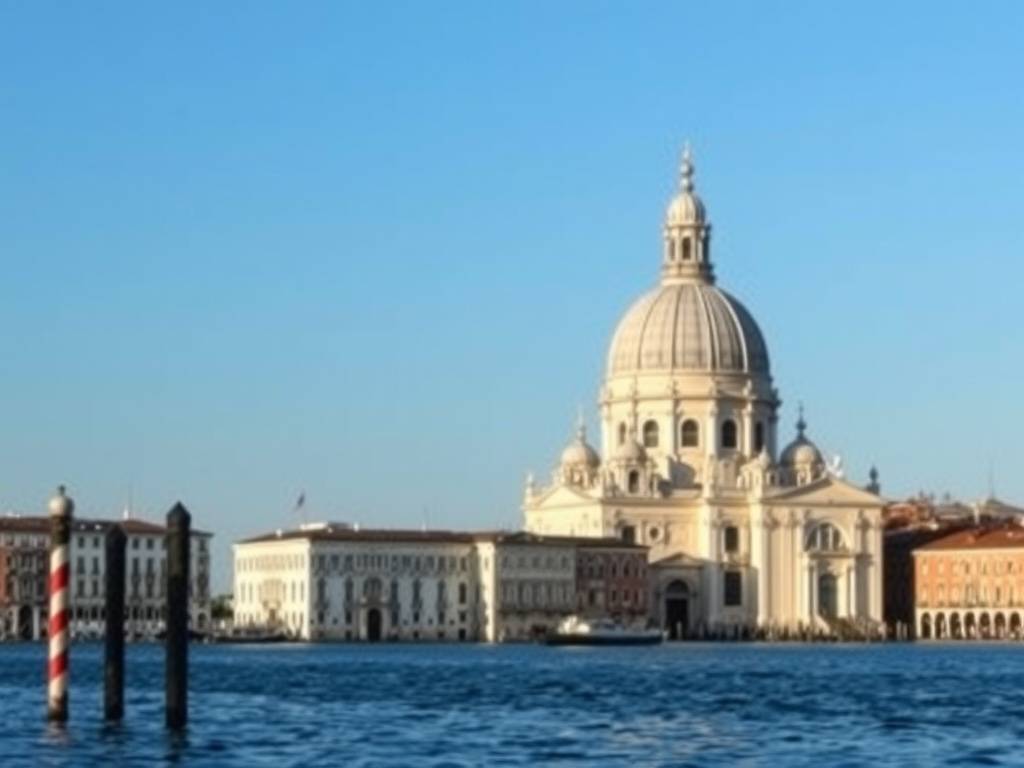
[{"x": 455, "y": 706}]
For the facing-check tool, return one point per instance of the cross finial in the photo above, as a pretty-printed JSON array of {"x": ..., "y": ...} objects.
[
  {"x": 686, "y": 169},
  {"x": 581, "y": 426}
]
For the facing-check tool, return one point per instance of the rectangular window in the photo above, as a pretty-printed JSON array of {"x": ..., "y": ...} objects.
[
  {"x": 629, "y": 534},
  {"x": 732, "y": 539},
  {"x": 733, "y": 588}
]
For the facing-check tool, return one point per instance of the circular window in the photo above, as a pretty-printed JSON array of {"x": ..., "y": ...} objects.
[{"x": 654, "y": 533}]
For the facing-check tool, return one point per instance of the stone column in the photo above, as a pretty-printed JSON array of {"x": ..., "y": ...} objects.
[
  {"x": 812, "y": 592},
  {"x": 748, "y": 430},
  {"x": 714, "y": 591},
  {"x": 36, "y": 629},
  {"x": 797, "y": 602},
  {"x": 711, "y": 433},
  {"x": 851, "y": 590},
  {"x": 765, "y": 571},
  {"x": 872, "y": 599}
]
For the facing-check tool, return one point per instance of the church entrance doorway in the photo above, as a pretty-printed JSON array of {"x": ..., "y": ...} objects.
[
  {"x": 828, "y": 594},
  {"x": 373, "y": 620},
  {"x": 677, "y": 610}
]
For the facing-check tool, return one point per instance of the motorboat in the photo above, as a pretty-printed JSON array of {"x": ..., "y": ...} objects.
[
  {"x": 577, "y": 631},
  {"x": 247, "y": 635}
]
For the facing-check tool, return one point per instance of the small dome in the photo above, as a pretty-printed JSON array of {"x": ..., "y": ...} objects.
[
  {"x": 685, "y": 209},
  {"x": 801, "y": 452},
  {"x": 631, "y": 451},
  {"x": 687, "y": 327},
  {"x": 579, "y": 453}
]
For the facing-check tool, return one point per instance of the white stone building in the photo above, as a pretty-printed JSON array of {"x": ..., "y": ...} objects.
[
  {"x": 333, "y": 582},
  {"x": 741, "y": 534}
]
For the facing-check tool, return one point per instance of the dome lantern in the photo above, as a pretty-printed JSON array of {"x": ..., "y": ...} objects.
[{"x": 687, "y": 256}]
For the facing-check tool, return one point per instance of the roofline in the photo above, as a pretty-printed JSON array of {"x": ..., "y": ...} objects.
[
  {"x": 41, "y": 524},
  {"x": 405, "y": 536}
]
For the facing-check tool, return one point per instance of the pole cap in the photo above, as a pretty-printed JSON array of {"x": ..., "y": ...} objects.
[{"x": 61, "y": 505}]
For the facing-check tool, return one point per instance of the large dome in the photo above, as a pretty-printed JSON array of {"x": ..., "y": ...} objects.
[
  {"x": 687, "y": 323},
  {"x": 687, "y": 327}
]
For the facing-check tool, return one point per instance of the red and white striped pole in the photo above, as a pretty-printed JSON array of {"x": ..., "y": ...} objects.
[{"x": 58, "y": 633}]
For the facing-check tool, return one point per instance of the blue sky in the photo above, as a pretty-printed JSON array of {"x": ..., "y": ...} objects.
[{"x": 376, "y": 253}]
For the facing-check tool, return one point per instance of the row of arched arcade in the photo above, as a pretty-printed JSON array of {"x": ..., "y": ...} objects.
[{"x": 970, "y": 625}]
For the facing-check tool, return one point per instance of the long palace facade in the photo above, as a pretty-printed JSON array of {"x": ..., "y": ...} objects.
[{"x": 336, "y": 582}]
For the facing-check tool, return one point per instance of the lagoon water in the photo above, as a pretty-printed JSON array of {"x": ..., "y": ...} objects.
[{"x": 443, "y": 705}]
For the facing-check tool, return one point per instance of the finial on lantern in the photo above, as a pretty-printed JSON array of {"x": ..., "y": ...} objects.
[{"x": 686, "y": 169}]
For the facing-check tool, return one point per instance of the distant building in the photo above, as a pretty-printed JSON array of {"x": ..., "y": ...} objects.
[
  {"x": 746, "y": 533},
  {"x": 925, "y": 510},
  {"x": 970, "y": 584},
  {"x": 24, "y": 567},
  {"x": 334, "y": 582},
  {"x": 910, "y": 525}
]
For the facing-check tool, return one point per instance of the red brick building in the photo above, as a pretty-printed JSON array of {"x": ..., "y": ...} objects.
[
  {"x": 23, "y": 576},
  {"x": 612, "y": 580}
]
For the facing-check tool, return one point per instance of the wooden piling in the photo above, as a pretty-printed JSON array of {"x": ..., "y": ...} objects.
[
  {"x": 113, "y": 670},
  {"x": 179, "y": 523},
  {"x": 59, "y": 631}
]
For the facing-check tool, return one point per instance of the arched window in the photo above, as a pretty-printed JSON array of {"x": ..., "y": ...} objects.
[
  {"x": 824, "y": 537},
  {"x": 651, "y": 434},
  {"x": 634, "y": 481},
  {"x": 728, "y": 433},
  {"x": 689, "y": 434},
  {"x": 758, "y": 436},
  {"x": 622, "y": 433},
  {"x": 687, "y": 253}
]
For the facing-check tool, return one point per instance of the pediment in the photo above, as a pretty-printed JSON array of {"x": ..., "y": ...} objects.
[
  {"x": 827, "y": 491},
  {"x": 561, "y": 496},
  {"x": 678, "y": 560}
]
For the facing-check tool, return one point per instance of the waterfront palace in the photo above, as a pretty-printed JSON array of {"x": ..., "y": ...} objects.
[
  {"x": 741, "y": 535},
  {"x": 24, "y": 572},
  {"x": 332, "y": 581},
  {"x": 969, "y": 584}
]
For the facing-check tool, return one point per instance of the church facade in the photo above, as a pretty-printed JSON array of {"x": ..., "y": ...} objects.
[{"x": 742, "y": 536}]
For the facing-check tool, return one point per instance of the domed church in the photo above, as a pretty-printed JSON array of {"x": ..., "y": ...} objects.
[{"x": 742, "y": 536}]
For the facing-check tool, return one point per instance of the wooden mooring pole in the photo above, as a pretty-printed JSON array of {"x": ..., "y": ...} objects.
[
  {"x": 113, "y": 670},
  {"x": 179, "y": 523},
  {"x": 59, "y": 631}
]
